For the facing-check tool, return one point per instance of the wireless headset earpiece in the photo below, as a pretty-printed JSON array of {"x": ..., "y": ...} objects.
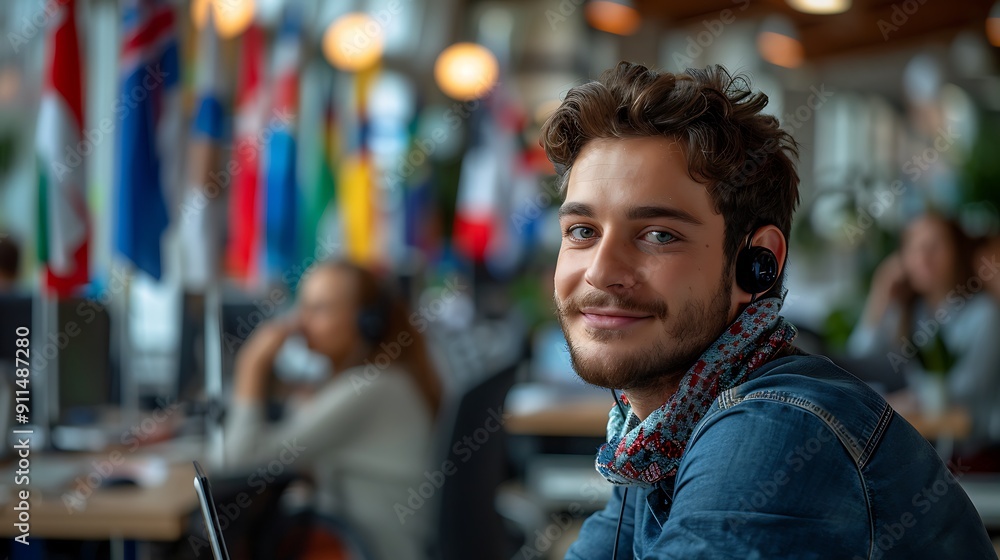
[
  {"x": 373, "y": 318},
  {"x": 756, "y": 269}
]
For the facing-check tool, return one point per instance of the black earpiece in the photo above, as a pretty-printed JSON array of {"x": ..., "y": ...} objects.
[
  {"x": 756, "y": 269},
  {"x": 373, "y": 319}
]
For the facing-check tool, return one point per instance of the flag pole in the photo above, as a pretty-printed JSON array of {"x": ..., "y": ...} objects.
[
  {"x": 201, "y": 274},
  {"x": 128, "y": 387},
  {"x": 213, "y": 373},
  {"x": 44, "y": 385}
]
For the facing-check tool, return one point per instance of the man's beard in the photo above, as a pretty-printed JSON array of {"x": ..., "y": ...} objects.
[{"x": 687, "y": 332}]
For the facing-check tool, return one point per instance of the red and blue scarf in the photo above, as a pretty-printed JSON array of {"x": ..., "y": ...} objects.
[{"x": 650, "y": 451}]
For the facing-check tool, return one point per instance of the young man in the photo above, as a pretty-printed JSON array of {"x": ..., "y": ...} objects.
[{"x": 727, "y": 441}]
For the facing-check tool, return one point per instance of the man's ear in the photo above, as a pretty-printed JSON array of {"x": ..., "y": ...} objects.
[{"x": 768, "y": 236}]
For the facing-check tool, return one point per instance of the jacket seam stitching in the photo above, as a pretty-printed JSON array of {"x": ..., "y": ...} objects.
[
  {"x": 876, "y": 436},
  {"x": 830, "y": 420},
  {"x": 728, "y": 399}
]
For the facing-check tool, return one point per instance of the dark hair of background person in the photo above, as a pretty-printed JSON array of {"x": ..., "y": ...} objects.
[
  {"x": 414, "y": 357},
  {"x": 741, "y": 154},
  {"x": 10, "y": 258},
  {"x": 962, "y": 246}
]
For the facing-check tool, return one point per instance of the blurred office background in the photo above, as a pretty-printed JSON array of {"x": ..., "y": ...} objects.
[{"x": 169, "y": 170}]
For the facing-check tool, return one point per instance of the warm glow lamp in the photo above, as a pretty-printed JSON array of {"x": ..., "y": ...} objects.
[
  {"x": 779, "y": 44},
  {"x": 820, "y": 7},
  {"x": 353, "y": 42},
  {"x": 993, "y": 25},
  {"x": 231, "y": 17},
  {"x": 613, "y": 16},
  {"x": 466, "y": 71}
]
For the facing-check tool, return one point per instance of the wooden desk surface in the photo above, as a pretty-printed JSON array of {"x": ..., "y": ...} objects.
[
  {"x": 588, "y": 417},
  {"x": 154, "y": 514},
  {"x": 953, "y": 423}
]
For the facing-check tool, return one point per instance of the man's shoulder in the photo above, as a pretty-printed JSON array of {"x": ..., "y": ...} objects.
[{"x": 845, "y": 405}]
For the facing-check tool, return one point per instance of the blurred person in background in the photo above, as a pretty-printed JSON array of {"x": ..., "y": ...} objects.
[
  {"x": 928, "y": 316},
  {"x": 365, "y": 432},
  {"x": 10, "y": 263},
  {"x": 989, "y": 252}
]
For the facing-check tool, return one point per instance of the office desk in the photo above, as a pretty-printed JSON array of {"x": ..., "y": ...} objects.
[
  {"x": 119, "y": 513},
  {"x": 580, "y": 416}
]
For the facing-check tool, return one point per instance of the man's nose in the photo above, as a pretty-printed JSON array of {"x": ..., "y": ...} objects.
[{"x": 613, "y": 265}]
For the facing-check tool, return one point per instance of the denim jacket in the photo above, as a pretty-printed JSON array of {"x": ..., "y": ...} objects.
[{"x": 802, "y": 461}]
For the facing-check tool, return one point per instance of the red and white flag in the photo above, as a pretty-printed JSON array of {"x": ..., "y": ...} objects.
[
  {"x": 63, "y": 223},
  {"x": 243, "y": 248}
]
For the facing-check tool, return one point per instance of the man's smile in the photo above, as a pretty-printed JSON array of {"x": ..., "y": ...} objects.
[{"x": 611, "y": 317}]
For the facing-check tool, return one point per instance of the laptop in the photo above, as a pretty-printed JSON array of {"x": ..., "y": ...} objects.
[{"x": 204, "y": 490}]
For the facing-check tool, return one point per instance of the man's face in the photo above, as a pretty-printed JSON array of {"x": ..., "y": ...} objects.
[{"x": 641, "y": 286}]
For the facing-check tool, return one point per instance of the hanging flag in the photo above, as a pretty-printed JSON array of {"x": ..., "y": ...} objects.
[
  {"x": 478, "y": 197},
  {"x": 488, "y": 187},
  {"x": 63, "y": 223},
  {"x": 202, "y": 211},
  {"x": 318, "y": 208},
  {"x": 509, "y": 243},
  {"x": 356, "y": 194},
  {"x": 281, "y": 190},
  {"x": 244, "y": 240},
  {"x": 148, "y": 156}
]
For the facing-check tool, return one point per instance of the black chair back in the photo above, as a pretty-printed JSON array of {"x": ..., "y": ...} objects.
[{"x": 472, "y": 441}]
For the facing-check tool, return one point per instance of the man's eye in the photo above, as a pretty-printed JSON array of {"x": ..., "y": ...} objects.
[
  {"x": 581, "y": 232},
  {"x": 662, "y": 237}
]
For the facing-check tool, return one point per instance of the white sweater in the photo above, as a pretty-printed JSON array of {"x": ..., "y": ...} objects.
[
  {"x": 969, "y": 328},
  {"x": 367, "y": 441}
]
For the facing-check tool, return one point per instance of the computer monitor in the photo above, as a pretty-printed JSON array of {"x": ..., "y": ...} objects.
[
  {"x": 239, "y": 315},
  {"x": 15, "y": 311},
  {"x": 86, "y": 379}
]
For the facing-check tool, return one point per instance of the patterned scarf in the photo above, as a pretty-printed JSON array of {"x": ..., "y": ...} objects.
[{"x": 650, "y": 451}]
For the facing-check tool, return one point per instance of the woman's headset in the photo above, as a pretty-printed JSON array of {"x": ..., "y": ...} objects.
[{"x": 373, "y": 317}]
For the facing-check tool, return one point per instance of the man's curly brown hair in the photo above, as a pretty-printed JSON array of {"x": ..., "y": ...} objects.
[{"x": 742, "y": 156}]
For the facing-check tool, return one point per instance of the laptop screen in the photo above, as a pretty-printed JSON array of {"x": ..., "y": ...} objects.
[{"x": 208, "y": 510}]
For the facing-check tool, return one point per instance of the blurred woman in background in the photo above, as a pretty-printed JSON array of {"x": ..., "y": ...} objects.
[
  {"x": 988, "y": 256},
  {"x": 366, "y": 432},
  {"x": 929, "y": 316}
]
